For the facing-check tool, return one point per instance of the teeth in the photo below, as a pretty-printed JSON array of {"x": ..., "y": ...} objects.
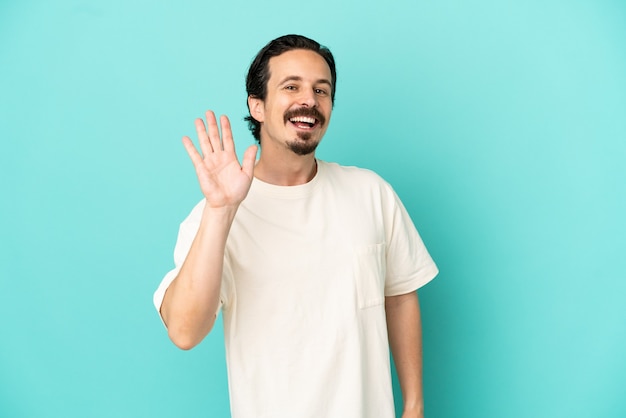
[{"x": 304, "y": 119}]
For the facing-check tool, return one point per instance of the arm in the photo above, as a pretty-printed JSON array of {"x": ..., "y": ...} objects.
[
  {"x": 405, "y": 339},
  {"x": 192, "y": 299}
]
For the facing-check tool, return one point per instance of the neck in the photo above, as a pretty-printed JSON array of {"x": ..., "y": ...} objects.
[{"x": 286, "y": 172}]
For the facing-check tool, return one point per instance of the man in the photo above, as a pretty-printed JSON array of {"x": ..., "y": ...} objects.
[{"x": 313, "y": 265}]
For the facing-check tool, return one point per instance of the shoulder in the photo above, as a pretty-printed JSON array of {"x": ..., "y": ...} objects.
[
  {"x": 355, "y": 178},
  {"x": 353, "y": 174}
]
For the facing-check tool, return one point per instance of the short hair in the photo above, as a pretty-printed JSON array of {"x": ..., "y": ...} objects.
[{"x": 259, "y": 73}]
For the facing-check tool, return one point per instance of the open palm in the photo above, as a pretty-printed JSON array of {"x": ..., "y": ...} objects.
[{"x": 223, "y": 181}]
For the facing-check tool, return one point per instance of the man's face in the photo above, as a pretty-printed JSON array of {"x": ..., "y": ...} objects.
[{"x": 297, "y": 108}]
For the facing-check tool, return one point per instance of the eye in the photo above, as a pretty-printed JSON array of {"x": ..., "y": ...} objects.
[
  {"x": 291, "y": 87},
  {"x": 321, "y": 92}
]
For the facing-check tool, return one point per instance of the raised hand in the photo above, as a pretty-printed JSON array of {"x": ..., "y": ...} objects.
[{"x": 223, "y": 181}]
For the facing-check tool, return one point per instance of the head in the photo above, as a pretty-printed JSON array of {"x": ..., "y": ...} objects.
[{"x": 259, "y": 73}]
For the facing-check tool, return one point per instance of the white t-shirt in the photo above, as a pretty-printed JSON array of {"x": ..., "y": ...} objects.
[{"x": 306, "y": 272}]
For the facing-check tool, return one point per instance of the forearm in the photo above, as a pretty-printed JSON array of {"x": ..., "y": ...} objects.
[
  {"x": 405, "y": 340},
  {"x": 191, "y": 301}
]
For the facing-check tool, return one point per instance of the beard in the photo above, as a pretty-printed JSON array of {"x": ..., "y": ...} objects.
[{"x": 303, "y": 145}]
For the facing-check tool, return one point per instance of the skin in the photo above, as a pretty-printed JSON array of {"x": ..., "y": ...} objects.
[
  {"x": 404, "y": 328},
  {"x": 299, "y": 79}
]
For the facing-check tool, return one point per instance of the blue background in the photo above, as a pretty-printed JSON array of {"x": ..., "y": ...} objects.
[{"x": 501, "y": 124}]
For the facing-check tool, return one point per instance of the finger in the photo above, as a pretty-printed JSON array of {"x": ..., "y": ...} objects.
[
  {"x": 196, "y": 158},
  {"x": 248, "y": 160},
  {"x": 214, "y": 133},
  {"x": 203, "y": 138},
  {"x": 227, "y": 134}
]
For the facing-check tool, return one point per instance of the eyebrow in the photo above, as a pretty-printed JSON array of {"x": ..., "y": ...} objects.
[{"x": 298, "y": 78}]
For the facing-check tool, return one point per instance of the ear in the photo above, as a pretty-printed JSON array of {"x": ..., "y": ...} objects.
[{"x": 256, "y": 109}]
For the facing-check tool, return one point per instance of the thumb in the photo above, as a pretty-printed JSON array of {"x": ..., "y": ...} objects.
[{"x": 248, "y": 160}]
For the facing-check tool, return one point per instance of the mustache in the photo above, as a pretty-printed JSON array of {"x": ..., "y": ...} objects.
[{"x": 305, "y": 111}]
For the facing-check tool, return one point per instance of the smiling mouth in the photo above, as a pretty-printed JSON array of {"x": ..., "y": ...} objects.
[
  {"x": 304, "y": 122},
  {"x": 305, "y": 118}
]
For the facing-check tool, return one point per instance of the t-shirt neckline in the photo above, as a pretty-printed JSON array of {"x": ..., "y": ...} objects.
[{"x": 288, "y": 192}]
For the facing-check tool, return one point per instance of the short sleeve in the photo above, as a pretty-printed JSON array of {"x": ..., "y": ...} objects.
[
  {"x": 186, "y": 234},
  {"x": 409, "y": 265}
]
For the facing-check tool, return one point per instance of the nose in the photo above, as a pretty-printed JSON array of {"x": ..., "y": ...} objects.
[{"x": 308, "y": 98}]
